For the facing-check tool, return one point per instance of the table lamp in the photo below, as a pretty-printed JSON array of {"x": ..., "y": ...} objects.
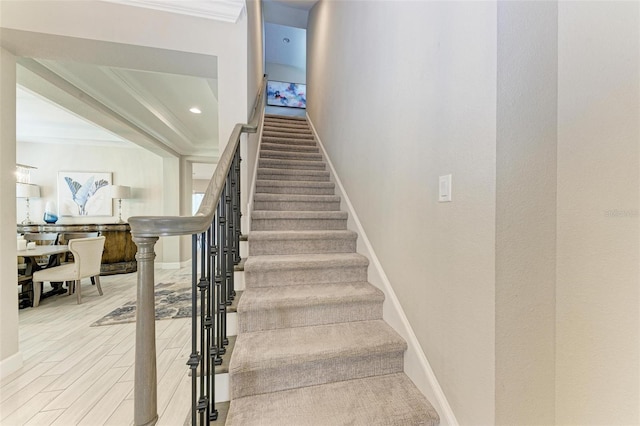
[
  {"x": 27, "y": 191},
  {"x": 120, "y": 192}
]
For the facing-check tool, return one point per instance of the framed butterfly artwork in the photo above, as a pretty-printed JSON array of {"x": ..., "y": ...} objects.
[{"x": 83, "y": 194}]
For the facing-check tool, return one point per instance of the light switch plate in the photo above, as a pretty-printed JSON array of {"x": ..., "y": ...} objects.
[{"x": 444, "y": 189}]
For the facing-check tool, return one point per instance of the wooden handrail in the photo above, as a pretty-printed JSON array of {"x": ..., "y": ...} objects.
[
  {"x": 145, "y": 232},
  {"x": 163, "y": 226}
]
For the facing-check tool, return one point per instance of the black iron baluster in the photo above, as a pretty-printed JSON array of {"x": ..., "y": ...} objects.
[
  {"x": 220, "y": 275},
  {"x": 231, "y": 233},
  {"x": 204, "y": 344},
  {"x": 215, "y": 292},
  {"x": 238, "y": 211},
  {"x": 224, "y": 245},
  {"x": 208, "y": 324},
  {"x": 194, "y": 359}
]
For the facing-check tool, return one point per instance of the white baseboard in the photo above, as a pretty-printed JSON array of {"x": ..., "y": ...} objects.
[
  {"x": 416, "y": 365},
  {"x": 172, "y": 265},
  {"x": 11, "y": 364},
  {"x": 232, "y": 324},
  {"x": 222, "y": 387},
  {"x": 238, "y": 280}
]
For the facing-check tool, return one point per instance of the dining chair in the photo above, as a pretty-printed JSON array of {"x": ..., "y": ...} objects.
[
  {"x": 87, "y": 256},
  {"x": 44, "y": 238},
  {"x": 65, "y": 237}
]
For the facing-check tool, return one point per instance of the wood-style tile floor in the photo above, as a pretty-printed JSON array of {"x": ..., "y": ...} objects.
[{"x": 75, "y": 374}]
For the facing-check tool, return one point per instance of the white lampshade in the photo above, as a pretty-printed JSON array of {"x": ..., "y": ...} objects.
[
  {"x": 27, "y": 190},
  {"x": 120, "y": 191}
]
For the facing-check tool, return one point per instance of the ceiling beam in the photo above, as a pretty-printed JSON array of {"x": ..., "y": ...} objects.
[{"x": 82, "y": 104}]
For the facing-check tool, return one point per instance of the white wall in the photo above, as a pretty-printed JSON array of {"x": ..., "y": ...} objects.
[
  {"x": 598, "y": 331},
  {"x": 525, "y": 290},
  {"x": 249, "y": 143},
  {"x": 134, "y": 167},
  {"x": 288, "y": 73},
  {"x": 407, "y": 104},
  {"x": 526, "y": 212},
  {"x": 278, "y": 13},
  {"x": 10, "y": 358}
]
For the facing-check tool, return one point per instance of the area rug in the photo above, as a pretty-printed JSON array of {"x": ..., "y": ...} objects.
[{"x": 173, "y": 300}]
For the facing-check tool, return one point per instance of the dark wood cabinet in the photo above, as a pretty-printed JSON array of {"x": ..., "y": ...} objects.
[{"x": 119, "y": 256}]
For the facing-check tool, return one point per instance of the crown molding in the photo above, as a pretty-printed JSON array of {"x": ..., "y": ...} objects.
[{"x": 219, "y": 10}]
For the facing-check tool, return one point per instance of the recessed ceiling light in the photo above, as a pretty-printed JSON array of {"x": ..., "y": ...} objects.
[
  {"x": 286, "y": 40},
  {"x": 195, "y": 110}
]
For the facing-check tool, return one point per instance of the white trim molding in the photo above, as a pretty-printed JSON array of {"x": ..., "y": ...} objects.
[
  {"x": 416, "y": 365},
  {"x": 219, "y": 10},
  {"x": 11, "y": 364}
]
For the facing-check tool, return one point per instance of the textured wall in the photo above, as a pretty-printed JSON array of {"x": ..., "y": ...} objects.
[
  {"x": 598, "y": 331},
  {"x": 400, "y": 93},
  {"x": 526, "y": 212}
]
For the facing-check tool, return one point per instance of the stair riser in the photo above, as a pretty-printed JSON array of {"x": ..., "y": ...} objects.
[
  {"x": 286, "y": 155},
  {"x": 319, "y": 372},
  {"x": 287, "y": 129},
  {"x": 296, "y": 190},
  {"x": 304, "y": 316},
  {"x": 290, "y": 148},
  {"x": 297, "y": 206},
  {"x": 285, "y": 122},
  {"x": 269, "y": 247},
  {"x": 273, "y": 163},
  {"x": 291, "y": 142},
  {"x": 298, "y": 224},
  {"x": 292, "y": 176},
  {"x": 320, "y": 275},
  {"x": 280, "y": 135}
]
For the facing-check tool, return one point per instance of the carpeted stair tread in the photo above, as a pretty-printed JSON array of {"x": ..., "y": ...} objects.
[
  {"x": 267, "y": 308},
  {"x": 307, "y": 295},
  {"x": 288, "y": 128},
  {"x": 295, "y": 269},
  {"x": 290, "y": 183},
  {"x": 269, "y": 220},
  {"x": 278, "y": 163},
  {"x": 295, "y": 175},
  {"x": 291, "y": 155},
  {"x": 285, "y": 118},
  {"x": 295, "y": 187},
  {"x": 303, "y": 261},
  {"x": 258, "y": 236},
  {"x": 303, "y": 344},
  {"x": 281, "y": 135},
  {"x": 289, "y": 141},
  {"x": 289, "y": 202},
  {"x": 299, "y": 215},
  {"x": 273, "y": 146},
  {"x": 300, "y": 242},
  {"x": 388, "y": 400},
  {"x": 273, "y": 360}
]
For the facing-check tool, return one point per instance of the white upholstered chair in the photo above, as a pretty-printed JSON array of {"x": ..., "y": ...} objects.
[{"x": 87, "y": 256}]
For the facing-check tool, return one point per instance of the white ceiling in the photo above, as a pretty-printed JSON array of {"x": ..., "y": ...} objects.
[
  {"x": 53, "y": 95},
  {"x": 158, "y": 103},
  {"x": 40, "y": 120}
]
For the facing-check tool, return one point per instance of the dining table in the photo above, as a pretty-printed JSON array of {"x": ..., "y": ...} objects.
[{"x": 31, "y": 256}]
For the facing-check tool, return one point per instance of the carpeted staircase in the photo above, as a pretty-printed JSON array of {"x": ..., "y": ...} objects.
[{"x": 312, "y": 348}]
